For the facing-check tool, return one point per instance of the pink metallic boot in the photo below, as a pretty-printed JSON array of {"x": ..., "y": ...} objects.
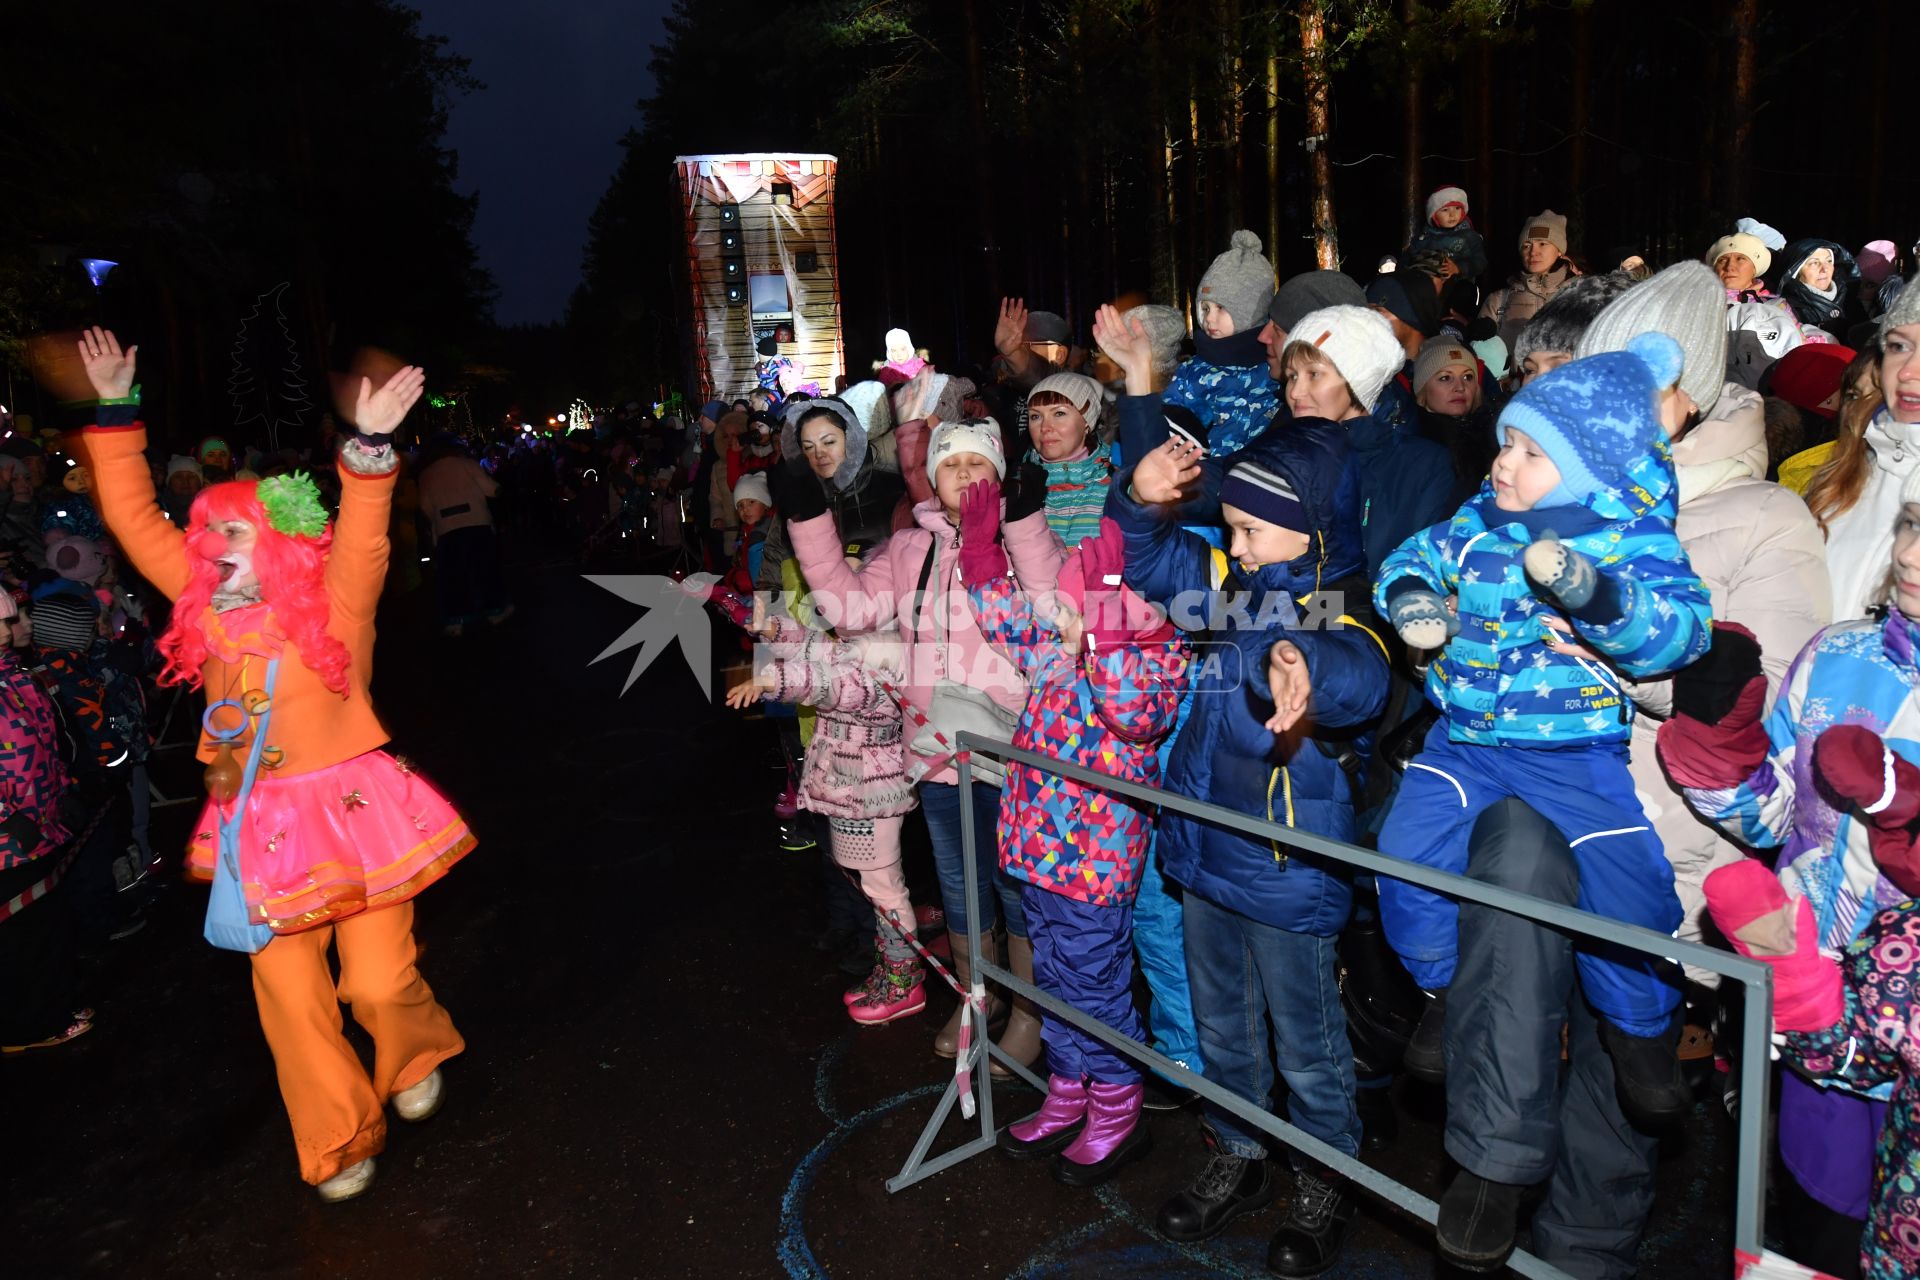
[
  {"x": 1047, "y": 1130},
  {"x": 1113, "y": 1136}
]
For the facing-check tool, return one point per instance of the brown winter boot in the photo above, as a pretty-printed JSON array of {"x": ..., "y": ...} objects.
[
  {"x": 1021, "y": 1040},
  {"x": 947, "y": 1042}
]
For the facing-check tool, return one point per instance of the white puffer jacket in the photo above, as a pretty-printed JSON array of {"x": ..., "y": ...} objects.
[
  {"x": 1758, "y": 550},
  {"x": 1860, "y": 539}
]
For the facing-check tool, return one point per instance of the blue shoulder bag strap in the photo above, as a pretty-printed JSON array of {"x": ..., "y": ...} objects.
[{"x": 228, "y": 925}]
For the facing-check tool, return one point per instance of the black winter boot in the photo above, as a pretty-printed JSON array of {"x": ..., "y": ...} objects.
[
  {"x": 1317, "y": 1224},
  {"x": 1228, "y": 1187},
  {"x": 1426, "y": 1056},
  {"x": 1477, "y": 1222},
  {"x": 1646, "y": 1075},
  {"x": 1379, "y": 1123}
]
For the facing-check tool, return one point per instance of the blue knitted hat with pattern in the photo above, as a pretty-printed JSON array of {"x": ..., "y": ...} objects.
[{"x": 1596, "y": 416}]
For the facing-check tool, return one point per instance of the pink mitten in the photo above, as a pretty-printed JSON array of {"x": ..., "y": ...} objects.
[
  {"x": 982, "y": 558},
  {"x": 1762, "y": 922}
]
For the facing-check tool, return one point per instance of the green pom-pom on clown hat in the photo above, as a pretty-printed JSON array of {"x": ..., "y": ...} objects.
[{"x": 293, "y": 505}]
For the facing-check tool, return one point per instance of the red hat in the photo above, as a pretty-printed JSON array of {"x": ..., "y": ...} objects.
[{"x": 1808, "y": 377}]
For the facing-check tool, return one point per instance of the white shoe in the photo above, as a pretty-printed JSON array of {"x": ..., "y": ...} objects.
[
  {"x": 348, "y": 1183},
  {"x": 422, "y": 1100}
]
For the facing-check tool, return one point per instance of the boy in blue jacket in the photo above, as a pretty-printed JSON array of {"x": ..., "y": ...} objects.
[
  {"x": 1563, "y": 566},
  {"x": 1287, "y": 683}
]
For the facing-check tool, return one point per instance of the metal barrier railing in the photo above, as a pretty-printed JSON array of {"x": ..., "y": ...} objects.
[{"x": 1755, "y": 1056}]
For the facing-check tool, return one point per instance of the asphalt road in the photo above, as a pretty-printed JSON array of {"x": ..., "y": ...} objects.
[{"x": 659, "y": 1079}]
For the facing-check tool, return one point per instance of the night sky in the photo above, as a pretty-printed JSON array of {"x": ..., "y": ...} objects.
[{"x": 541, "y": 141}]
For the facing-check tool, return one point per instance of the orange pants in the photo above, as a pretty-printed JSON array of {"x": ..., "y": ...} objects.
[{"x": 338, "y": 1113}]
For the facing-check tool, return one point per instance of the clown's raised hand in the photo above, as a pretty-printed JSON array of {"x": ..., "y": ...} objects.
[
  {"x": 109, "y": 369},
  {"x": 380, "y": 413}
]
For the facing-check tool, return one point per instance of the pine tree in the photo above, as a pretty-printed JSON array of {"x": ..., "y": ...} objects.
[{"x": 267, "y": 384}]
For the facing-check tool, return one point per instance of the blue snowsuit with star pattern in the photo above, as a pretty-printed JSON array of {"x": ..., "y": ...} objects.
[{"x": 1547, "y": 728}]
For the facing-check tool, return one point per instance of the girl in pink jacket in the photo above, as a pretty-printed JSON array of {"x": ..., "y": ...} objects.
[
  {"x": 856, "y": 777},
  {"x": 913, "y": 582}
]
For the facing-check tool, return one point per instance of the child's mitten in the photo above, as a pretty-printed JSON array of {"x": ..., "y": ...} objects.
[
  {"x": 982, "y": 558},
  {"x": 1756, "y": 915},
  {"x": 1420, "y": 614},
  {"x": 1570, "y": 579},
  {"x": 1862, "y": 770},
  {"x": 1715, "y": 738},
  {"x": 1113, "y": 616}
]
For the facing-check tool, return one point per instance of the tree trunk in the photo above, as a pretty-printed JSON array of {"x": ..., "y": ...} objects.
[
  {"x": 982, "y": 195},
  {"x": 1582, "y": 77},
  {"x": 1273, "y": 150},
  {"x": 1079, "y": 228},
  {"x": 1413, "y": 197},
  {"x": 1199, "y": 219},
  {"x": 1164, "y": 280},
  {"x": 1319, "y": 90},
  {"x": 1875, "y": 166},
  {"x": 1483, "y": 132},
  {"x": 1709, "y": 167},
  {"x": 1746, "y": 53},
  {"x": 1233, "y": 113}
]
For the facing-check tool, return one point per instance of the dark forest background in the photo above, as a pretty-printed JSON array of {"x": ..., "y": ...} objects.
[{"x": 1068, "y": 151}]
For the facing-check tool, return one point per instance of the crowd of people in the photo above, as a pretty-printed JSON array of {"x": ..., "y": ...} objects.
[{"x": 1602, "y": 585}]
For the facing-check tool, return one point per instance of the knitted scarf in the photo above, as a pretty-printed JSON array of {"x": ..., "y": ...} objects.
[{"x": 1077, "y": 493}]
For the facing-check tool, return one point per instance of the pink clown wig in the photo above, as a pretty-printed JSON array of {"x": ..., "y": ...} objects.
[{"x": 292, "y": 574}]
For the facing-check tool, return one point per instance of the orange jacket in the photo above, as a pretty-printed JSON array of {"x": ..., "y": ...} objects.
[{"x": 312, "y": 724}]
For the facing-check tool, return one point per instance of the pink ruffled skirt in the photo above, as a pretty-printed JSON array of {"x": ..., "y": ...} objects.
[{"x": 322, "y": 846}]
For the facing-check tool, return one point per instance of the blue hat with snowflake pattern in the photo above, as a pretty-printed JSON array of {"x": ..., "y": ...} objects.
[{"x": 1596, "y": 416}]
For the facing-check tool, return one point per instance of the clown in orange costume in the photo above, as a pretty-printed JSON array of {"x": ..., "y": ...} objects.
[{"x": 334, "y": 835}]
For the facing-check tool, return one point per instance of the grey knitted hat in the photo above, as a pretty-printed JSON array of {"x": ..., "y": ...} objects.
[
  {"x": 1165, "y": 327},
  {"x": 1311, "y": 291},
  {"x": 1565, "y": 319},
  {"x": 1687, "y": 303},
  {"x": 1240, "y": 281},
  {"x": 1905, "y": 308}
]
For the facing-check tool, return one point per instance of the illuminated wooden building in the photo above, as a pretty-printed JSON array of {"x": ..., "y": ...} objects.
[{"x": 759, "y": 261}]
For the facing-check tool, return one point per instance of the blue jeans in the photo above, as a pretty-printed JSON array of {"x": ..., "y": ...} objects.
[
  {"x": 998, "y": 895},
  {"x": 1242, "y": 973}
]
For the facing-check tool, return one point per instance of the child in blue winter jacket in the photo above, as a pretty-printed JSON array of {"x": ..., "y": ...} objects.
[
  {"x": 1287, "y": 682},
  {"x": 1564, "y": 565},
  {"x": 1106, "y": 674},
  {"x": 1227, "y": 383}
]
